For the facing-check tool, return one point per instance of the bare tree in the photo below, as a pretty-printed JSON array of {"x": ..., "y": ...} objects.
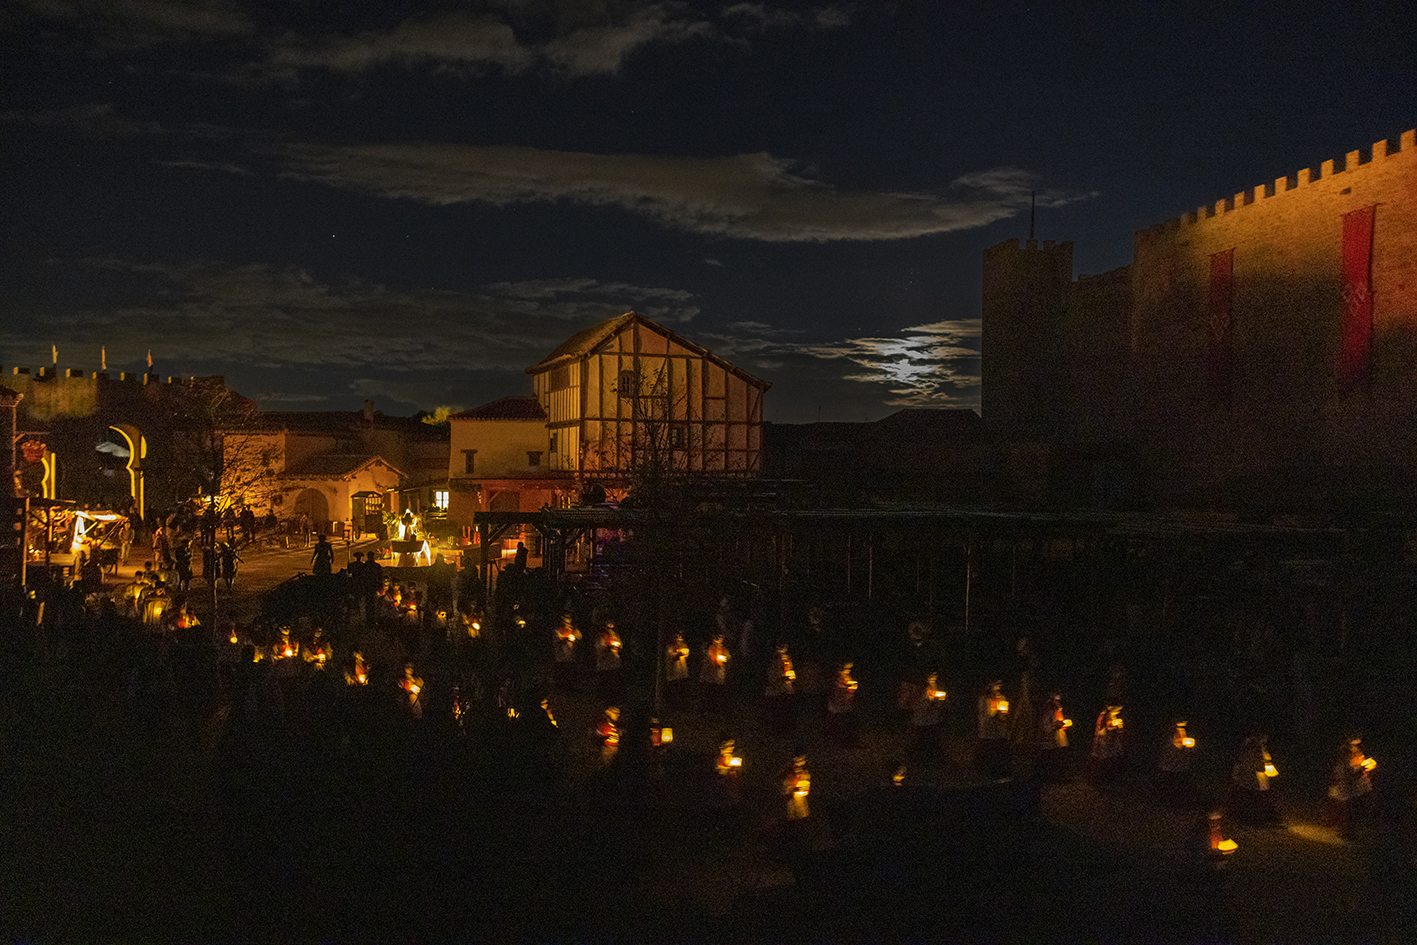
[{"x": 220, "y": 453}]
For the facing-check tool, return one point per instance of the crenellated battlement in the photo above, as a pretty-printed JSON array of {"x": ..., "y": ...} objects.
[
  {"x": 51, "y": 374},
  {"x": 1351, "y": 166}
]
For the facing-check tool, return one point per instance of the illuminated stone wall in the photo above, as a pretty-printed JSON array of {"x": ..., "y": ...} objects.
[
  {"x": 1290, "y": 406},
  {"x": 1262, "y": 345}
]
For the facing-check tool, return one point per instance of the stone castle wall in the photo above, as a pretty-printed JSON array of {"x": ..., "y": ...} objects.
[{"x": 1225, "y": 351}]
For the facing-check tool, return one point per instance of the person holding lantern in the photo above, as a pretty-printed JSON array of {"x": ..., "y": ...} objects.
[
  {"x": 729, "y": 766},
  {"x": 608, "y": 731},
  {"x": 840, "y": 704},
  {"x": 413, "y": 686},
  {"x": 992, "y": 749},
  {"x": 564, "y": 651},
  {"x": 925, "y": 715},
  {"x": 1178, "y": 760},
  {"x": 1349, "y": 784},
  {"x": 713, "y": 674},
  {"x": 1106, "y": 756},
  {"x": 1250, "y": 778},
  {"x": 607, "y": 662},
  {"x": 676, "y": 660},
  {"x": 1053, "y": 728},
  {"x": 796, "y": 785},
  {"x": 779, "y": 689}
]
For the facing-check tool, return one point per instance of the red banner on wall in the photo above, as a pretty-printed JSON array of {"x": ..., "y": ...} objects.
[
  {"x": 1356, "y": 352},
  {"x": 1220, "y": 363}
]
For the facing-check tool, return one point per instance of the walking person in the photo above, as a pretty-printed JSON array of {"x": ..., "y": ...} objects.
[
  {"x": 229, "y": 560},
  {"x": 323, "y": 559}
]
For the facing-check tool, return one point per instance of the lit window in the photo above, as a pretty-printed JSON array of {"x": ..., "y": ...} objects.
[
  {"x": 440, "y": 498},
  {"x": 533, "y": 457}
]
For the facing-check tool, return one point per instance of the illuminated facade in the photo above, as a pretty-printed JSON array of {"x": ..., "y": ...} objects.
[
  {"x": 498, "y": 460},
  {"x": 629, "y": 396},
  {"x": 1262, "y": 346}
]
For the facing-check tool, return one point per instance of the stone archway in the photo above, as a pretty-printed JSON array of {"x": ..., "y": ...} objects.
[
  {"x": 314, "y": 504},
  {"x": 137, "y": 451}
]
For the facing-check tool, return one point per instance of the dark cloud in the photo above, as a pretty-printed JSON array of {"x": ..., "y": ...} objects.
[
  {"x": 748, "y": 196},
  {"x": 271, "y": 317},
  {"x": 144, "y": 24}
]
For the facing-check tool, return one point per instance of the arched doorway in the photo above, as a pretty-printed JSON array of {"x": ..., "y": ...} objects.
[
  {"x": 314, "y": 504},
  {"x": 137, "y": 447}
]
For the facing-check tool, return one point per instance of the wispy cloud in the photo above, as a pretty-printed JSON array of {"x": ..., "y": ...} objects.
[
  {"x": 933, "y": 365},
  {"x": 270, "y": 317},
  {"x": 143, "y": 24},
  {"x": 748, "y": 196},
  {"x": 766, "y": 16},
  {"x": 474, "y": 42},
  {"x": 453, "y": 40}
]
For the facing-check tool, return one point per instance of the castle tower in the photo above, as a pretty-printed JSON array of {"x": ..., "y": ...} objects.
[{"x": 1022, "y": 356}]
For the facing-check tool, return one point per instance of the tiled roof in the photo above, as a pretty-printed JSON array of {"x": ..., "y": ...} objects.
[
  {"x": 342, "y": 423},
  {"x": 334, "y": 466},
  {"x": 508, "y": 408},
  {"x": 585, "y": 342}
]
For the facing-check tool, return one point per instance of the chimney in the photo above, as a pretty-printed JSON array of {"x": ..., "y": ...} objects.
[{"x": 369, "y": 411}]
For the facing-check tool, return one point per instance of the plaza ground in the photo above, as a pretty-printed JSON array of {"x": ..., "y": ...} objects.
[{"x": 132, "y": 828}]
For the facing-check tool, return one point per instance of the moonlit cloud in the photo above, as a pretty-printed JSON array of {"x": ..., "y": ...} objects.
[
  {"x": 581, "y": 46},
  {"x": 747, "y": 196},
  {"x": 452, "y": 40},
  {"x": 933, "y": 365},
  {"x": 765, "y": 16}
]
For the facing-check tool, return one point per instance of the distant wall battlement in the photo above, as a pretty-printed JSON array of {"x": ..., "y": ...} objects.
[
  {"x": 1352, "y": 167},
  {"x": 24, "y": 376},
  {"x": 1032, "y": 246}
]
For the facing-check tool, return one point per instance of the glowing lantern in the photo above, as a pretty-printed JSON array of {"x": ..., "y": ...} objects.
[
  {"x": 609, "y": 732},
  {"x": 1219, "y": 844},
  {"x": 899, "y": 777},
  {"x": 729, "y": 762},
  {"x": 360, "y": 675},
  {"x": 797, "y": 785}
]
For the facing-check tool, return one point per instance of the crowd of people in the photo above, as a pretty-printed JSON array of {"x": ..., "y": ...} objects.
[{"x": 371, "y": 649}]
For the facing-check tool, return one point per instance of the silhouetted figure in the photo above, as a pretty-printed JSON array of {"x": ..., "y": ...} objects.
[
  {"x": 182, "y": 557},
  {"x": 229, "y": 560},
  {"x": 323, "y": 559}
]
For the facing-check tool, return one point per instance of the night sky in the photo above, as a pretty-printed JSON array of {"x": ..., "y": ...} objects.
[{"x": 413, "y": 202}]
